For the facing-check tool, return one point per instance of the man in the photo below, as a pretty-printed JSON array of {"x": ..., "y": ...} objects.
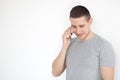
[{"x": 87, "y": 56}]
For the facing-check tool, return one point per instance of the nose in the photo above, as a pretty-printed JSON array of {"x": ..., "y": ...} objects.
[{"x": 78, "y": 30}]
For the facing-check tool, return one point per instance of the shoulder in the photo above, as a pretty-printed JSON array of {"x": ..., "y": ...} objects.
[{"x": 101, "y": 42}]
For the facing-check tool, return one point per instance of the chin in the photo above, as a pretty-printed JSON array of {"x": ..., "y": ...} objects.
[{"x": 81, "y": 38}]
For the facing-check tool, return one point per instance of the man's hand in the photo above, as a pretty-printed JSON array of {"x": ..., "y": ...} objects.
[{"x": 67, "y": 37}]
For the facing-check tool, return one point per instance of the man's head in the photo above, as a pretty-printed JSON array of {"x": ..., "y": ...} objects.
[{"x": 80, "y": 21}]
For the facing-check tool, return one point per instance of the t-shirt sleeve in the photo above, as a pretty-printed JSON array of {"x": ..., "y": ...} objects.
[{"x": 107, "y": 55}]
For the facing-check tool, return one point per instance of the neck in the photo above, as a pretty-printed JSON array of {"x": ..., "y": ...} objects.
[{"x": 90, "y": 35}]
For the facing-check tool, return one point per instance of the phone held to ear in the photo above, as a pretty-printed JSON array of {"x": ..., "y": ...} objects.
[{"x": 69, "y": 36}]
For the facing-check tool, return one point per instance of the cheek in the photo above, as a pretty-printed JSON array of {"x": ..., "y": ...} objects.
[
  {"x": 86, "y": 29},
  {"x": 83, "y": 30},
  {"x": 74, "y": 30}
]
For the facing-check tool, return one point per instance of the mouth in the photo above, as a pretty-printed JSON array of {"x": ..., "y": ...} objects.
[{"x": 80, "y": 35}]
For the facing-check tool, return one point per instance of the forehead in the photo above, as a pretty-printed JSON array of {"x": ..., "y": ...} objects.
[{"x": 81, "y": 20}]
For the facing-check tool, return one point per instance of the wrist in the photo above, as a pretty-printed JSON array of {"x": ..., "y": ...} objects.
[{"x": 65, "y": 47}]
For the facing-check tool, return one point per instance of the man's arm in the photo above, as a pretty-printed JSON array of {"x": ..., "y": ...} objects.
[
  {"x": 107, "y": 73},
  {"x": 59, "y": 64}
]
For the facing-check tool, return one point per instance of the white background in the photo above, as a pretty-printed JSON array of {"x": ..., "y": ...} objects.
[{"x": 31, "y": 30}]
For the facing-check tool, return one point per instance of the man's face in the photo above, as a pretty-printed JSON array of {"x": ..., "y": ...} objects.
[{"x": 81, "y": 27}]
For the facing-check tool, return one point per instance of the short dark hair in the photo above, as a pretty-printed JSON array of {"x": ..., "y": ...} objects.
[{"x": 79, "y": 11}]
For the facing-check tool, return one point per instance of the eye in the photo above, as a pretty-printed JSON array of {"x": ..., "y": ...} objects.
[
  {"x": 81, "y": 26},
  {"x": 73, "y": 26}
]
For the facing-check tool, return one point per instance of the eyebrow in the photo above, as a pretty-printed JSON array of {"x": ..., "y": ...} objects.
[
  {"x": 73, "y": 25},
  {"x": 79, "y": 25}
]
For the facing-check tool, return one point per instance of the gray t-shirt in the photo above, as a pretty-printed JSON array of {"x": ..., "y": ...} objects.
[{"x": 84, "y": 58}]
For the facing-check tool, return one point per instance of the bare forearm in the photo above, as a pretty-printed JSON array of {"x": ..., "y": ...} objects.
[
  {"x": 58, "y": 65},
  {"x": 107, "y": 73},
  {"x": 107, "y": 79}
]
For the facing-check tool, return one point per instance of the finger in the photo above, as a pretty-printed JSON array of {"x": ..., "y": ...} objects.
[
  {"x": 68, "y": 32},
  {"x": 71, "y": 30},
  {"x": 68, "y": 36}
]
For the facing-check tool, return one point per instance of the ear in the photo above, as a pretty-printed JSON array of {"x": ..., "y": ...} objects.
[{"x": 90, "y": 21}]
